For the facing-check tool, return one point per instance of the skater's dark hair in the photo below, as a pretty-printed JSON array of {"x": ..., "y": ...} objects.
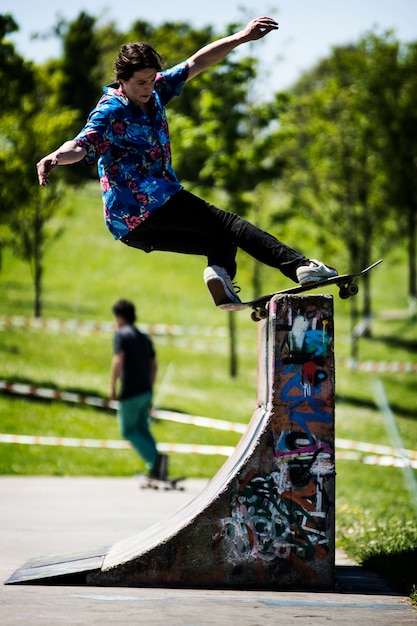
[
  {"x": 126, "y": 310},
  {"x": 134, "y": 57}
]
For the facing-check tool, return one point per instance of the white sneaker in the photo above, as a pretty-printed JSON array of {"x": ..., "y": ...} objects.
[
  {"x": 315, "y": 272},
  {"x": 220, "y": 285}
]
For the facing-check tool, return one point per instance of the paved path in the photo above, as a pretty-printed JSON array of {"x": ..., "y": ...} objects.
[{"x": 42, "y": 516}]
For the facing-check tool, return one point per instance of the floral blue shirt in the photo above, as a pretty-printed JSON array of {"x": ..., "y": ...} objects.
[{"x": 133, "y": 152}]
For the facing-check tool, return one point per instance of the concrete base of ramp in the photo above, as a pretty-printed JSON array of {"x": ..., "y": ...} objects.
[
  {"x": 266, "y": 520},
  {"x": 44, "y": 515}
]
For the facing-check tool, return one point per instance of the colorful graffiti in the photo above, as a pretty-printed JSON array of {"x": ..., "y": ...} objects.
[{"x": 283, "y": 508}]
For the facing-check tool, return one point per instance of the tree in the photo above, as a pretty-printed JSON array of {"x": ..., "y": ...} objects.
[
  {"x": 80, "y": 84},
  {"x": 16, "y": 77},
  {"x": 30, "y": 131},
  {"x": 16, "y": 81},
  {"x": 80, "y": 87},
  {"x": 339, "y": 151},
  {"x": 401, "y": 156}
]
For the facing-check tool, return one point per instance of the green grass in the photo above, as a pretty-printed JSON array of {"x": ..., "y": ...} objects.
[{"x": 86, "y": 271}]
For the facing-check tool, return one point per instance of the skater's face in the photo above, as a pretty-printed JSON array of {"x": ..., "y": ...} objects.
[{"x": 140, "y": 86}]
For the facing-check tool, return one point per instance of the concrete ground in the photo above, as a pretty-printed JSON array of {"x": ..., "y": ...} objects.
[{"x": 44, "y": 516}]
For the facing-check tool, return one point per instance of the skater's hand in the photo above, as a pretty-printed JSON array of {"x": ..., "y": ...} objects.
[
  {"x": 45, "y": 167},
  {"x": 259, "y": 27}
]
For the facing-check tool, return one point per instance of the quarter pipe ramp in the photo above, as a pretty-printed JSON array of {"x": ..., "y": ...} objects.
[{"x": 266, "y": 520}]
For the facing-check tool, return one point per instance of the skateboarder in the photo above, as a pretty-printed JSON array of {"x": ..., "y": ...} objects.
[
  {"x": 145, "y": 205},
  {"x": 134, "y": 366}
]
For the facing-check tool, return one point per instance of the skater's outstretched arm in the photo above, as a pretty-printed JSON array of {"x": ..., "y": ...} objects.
[
  {"x": 68, "y": 153},
  {"x": 217, "y": 50}
]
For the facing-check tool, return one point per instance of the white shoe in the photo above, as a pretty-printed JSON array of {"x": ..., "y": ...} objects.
[
  {"x": 220, "y": 285},
  {"x": 315, "y": 272}
]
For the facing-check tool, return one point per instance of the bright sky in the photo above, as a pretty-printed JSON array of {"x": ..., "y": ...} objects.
[{"x": 308, "y": 28}]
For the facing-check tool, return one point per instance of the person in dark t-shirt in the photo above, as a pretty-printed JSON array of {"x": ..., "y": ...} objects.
[{"x": 133, "y": 369}]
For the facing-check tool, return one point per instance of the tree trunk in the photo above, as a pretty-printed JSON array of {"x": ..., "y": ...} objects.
[
  {"x": 412, "y": 260},
  {"x": 367, "y": 302},
  {"x": 233, "y": 367},
  {"x": 354, "y": 339},
  {"x": 38, "y": 288},
  {"x": 37, "y": 266},
  {"x": 257, "y": 279}
]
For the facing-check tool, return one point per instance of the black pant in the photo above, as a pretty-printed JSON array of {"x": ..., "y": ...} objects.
[{"x": 189, "y": 225}]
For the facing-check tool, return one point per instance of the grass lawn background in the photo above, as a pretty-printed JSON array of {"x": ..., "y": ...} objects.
[{"x": 86, "y": 271}]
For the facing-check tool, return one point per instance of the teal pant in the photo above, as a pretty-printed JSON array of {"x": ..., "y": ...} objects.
[{"x": 134, "y": 418}]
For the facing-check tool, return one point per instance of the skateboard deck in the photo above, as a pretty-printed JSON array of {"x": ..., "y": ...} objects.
[
  {"x": 166, "y": 484},
  {"x": 345, "y": 282}
]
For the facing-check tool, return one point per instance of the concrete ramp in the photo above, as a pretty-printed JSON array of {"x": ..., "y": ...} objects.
[{"x": 266, "y": 520}]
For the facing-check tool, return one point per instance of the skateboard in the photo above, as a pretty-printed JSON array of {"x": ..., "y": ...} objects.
[
  {"x": 345, "y": 282},
  {"x": 166, "y": 484}
]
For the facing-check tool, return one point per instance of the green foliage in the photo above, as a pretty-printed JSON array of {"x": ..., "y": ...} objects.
[
  {"x": 175, "y": 41},
  {"x": 345, "y": 148},
  {"x": 385, "y": 543},
  {"x": 27, "y": 131},
  {"x": 79, "y": 85},
  {"x": 79, "y": 88},
  {"x": 16, "y": 82},
  {"x": 16, "y": 77}
]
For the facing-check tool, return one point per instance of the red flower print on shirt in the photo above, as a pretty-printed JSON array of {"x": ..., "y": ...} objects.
[
  {"x": 142, "y": 198},
  {"x": 105, "y": 183},
  {"x": 119, "y": 127},
  {"x": 132, "y": 221}
]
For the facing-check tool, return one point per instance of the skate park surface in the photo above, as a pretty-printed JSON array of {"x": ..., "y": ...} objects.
[{"x": 54, "y": 515}]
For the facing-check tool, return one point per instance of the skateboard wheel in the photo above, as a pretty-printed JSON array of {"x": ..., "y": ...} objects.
[
  {"x": 259, "y": 314},
  {"x": 352, "y": 289}
]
